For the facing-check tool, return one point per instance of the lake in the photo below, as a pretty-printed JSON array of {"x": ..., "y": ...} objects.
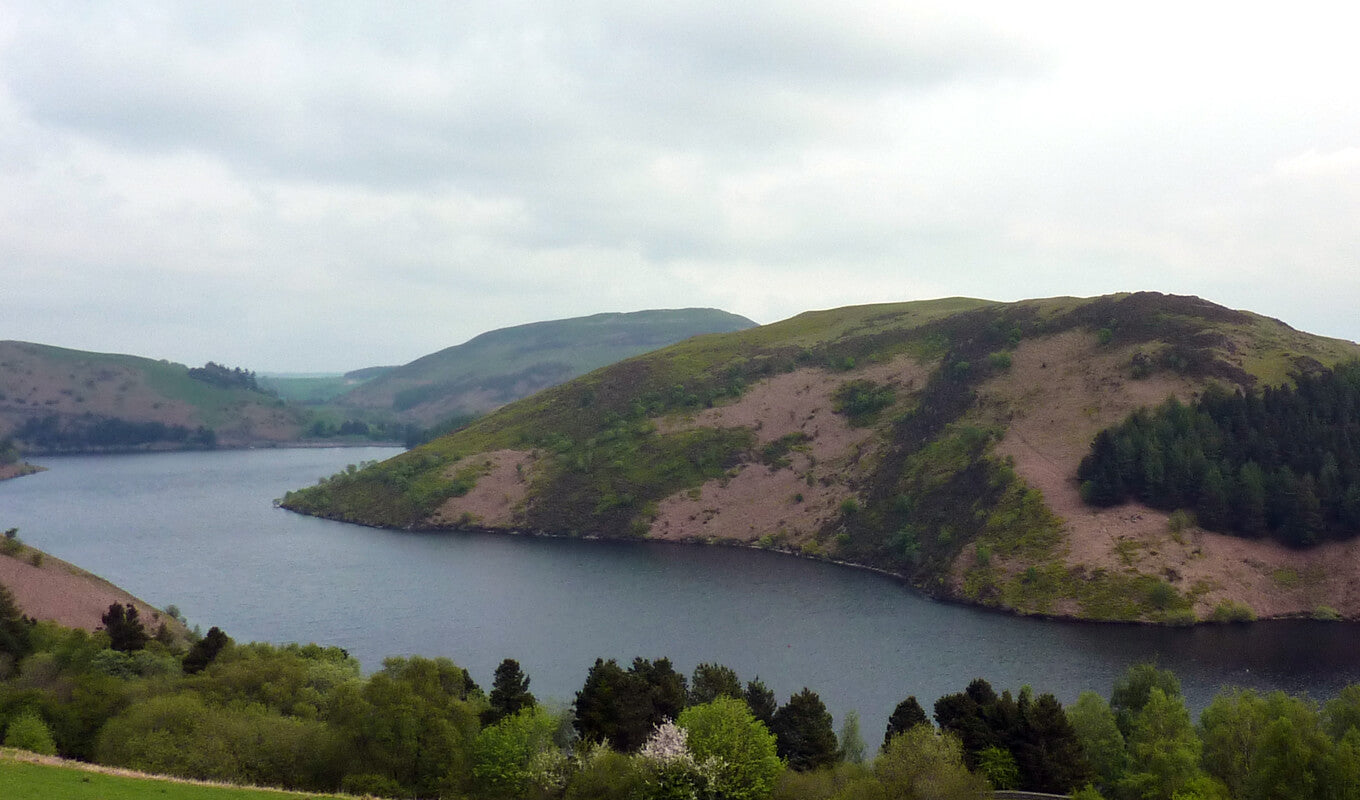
[{"x": 199, "y": 530}]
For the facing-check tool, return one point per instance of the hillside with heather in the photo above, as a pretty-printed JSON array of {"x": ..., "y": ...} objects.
[
  {"x": 54, "y": 399},
  {"x": 940, "y": 441},
  {"x": 503, "y": 365}
]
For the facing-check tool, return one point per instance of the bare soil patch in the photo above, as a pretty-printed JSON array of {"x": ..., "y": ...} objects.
[
  {"x": 500, "y": 491},
  {"x": 64, "y": 593},
  {"x": 790, "y": 503},
  {"x": 18, "y": 470}
]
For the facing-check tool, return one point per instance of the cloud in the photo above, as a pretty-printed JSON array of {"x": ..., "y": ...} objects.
[{"x": 364, "y": 183}]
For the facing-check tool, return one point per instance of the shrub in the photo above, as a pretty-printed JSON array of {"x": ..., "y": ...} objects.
[
  {"x": 1180, "y": 520},
  {"x": 1000, "y": 361},
  {"x": 1326, "y": 613},
  {"x": 28, "y": 732},
  {"x": 1232, "y": 611}
]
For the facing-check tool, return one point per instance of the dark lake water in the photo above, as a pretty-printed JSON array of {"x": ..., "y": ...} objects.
[{"x": 199, "y": 530}]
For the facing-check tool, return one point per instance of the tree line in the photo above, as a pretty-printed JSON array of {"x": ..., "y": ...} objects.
[
  {"x": 1283, "y": 462},
  {"x": 303, "y": 716},
  {"x": 53, "y": 433},
  {"x": 224, "y": 377}
]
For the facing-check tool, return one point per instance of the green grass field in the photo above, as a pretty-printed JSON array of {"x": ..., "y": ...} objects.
[{"x": 22, "y": 780}]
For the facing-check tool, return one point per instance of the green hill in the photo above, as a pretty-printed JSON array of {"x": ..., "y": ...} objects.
[
  {"x": 53, "y": 399},
  {"x": 936, "y": 440},
  {"x": 507, "y": 364}
]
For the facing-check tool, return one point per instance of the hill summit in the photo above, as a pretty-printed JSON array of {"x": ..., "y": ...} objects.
[{"x": 939, "y": 440}]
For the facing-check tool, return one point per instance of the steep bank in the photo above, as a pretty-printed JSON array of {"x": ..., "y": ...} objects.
[{"x": 47, "y": 588}]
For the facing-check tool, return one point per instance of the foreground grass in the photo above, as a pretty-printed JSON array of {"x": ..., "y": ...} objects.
[{"x": 24, "y": 776}]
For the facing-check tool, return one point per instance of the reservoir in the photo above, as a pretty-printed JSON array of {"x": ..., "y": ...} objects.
[{"x": 199, "y": 530}]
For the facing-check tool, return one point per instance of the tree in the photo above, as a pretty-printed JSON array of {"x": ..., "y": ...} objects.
[
  {"x": 741, "y": 751},
  {"x": 803, "y": 732},
  {"x": 852, "y": 742},
  {"x": 1264, "y": 747},
  {"x": 623, "y": 707},
  {"x": 517, "y": 754},
  {"x": 125, "y": 629},
  {"x": 1132, "y": 690},
  {"x": 16, "y": 631},
  {"x": 1047, "y": 748},
  {"x": 906, "y": 716},
  {"x": 761, "y": 701},
  {"x": 925, "y": 764},
  {"x": 711, "y": 681},
  {"x": 509, "y": 693},
  {"x": 28, "y": 732},
  {"x": 1101, "y": 741},
  {"x": 205, "y": 650},
  {"x": 1164, "y": 750}
]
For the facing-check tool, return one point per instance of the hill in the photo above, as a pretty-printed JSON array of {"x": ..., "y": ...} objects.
[
  {"x": 47, "y": 588},
  {"x": 318, "y": 389},
  {"x": 936, "y": 440},
  {"x": 504, "y": 365},
  {"x": 54, "y": 400}
]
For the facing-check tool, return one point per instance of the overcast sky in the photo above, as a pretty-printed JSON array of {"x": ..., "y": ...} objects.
[{"x": 327, "y": 186}]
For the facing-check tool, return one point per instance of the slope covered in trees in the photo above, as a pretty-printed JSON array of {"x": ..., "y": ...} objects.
[
  {"x": 936, "y": 440},
  {"x": 1281, "y": 462}
]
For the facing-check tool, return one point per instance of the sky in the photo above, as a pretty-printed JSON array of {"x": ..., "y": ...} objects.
[{"x": 308, "y": 187}]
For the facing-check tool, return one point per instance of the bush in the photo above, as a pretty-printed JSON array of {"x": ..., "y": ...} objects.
[
  {"x": 1232, "y": 611},
  {"x": 28, "y": 732},
  {"x": 1180, "y": 520}
]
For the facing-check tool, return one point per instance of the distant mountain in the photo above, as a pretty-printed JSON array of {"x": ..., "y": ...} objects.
[
  {"x": 314, "y": 389},
  {"x": 53, "y": 399},
  {"x": 941, "y": 441},
  {"x": 504, "y": 365}
]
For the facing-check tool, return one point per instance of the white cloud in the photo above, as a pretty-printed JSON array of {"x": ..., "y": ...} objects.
[{"x": 296, "y": 187}]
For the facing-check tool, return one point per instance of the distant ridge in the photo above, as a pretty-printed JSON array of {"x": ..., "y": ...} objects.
[{"x": 503, "y": 365}]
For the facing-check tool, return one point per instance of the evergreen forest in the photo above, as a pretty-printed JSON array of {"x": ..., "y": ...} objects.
[{"x": 1283, "y": 462}]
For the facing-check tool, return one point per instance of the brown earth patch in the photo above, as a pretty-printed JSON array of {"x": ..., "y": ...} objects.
[
  {"x": 1060, "y": 392},
  {"x": 759, "y": 500},
  {"x": 58, "y": 591},
  {"x": 498, "y": 495},
  {"x": 18, "y": 470}
]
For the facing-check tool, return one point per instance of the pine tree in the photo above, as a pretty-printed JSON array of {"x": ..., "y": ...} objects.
[
  {"x": 906, "y": 716},
  {"x": 509, "y": 693},
  {"x": 125, "y": 629},
  {"x": 803, "y": 732}
]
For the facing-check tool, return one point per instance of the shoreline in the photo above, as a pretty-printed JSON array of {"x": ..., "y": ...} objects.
[
  {"x": 259, "y": 445},
  {"x": 897, "y": 577},
  {"x": 19, "y": 470}
]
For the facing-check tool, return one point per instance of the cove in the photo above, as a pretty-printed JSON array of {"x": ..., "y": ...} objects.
[{"x": 199, "y": 530}]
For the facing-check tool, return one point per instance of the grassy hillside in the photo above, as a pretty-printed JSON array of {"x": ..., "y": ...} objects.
[
  {"x": 937, "y": 440},
  {"x": 24, "y": 776},
  {"x": 319, "y": 389},
  {"x": 52, "y": 391},
  {"x": 503, "y": 365}
]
